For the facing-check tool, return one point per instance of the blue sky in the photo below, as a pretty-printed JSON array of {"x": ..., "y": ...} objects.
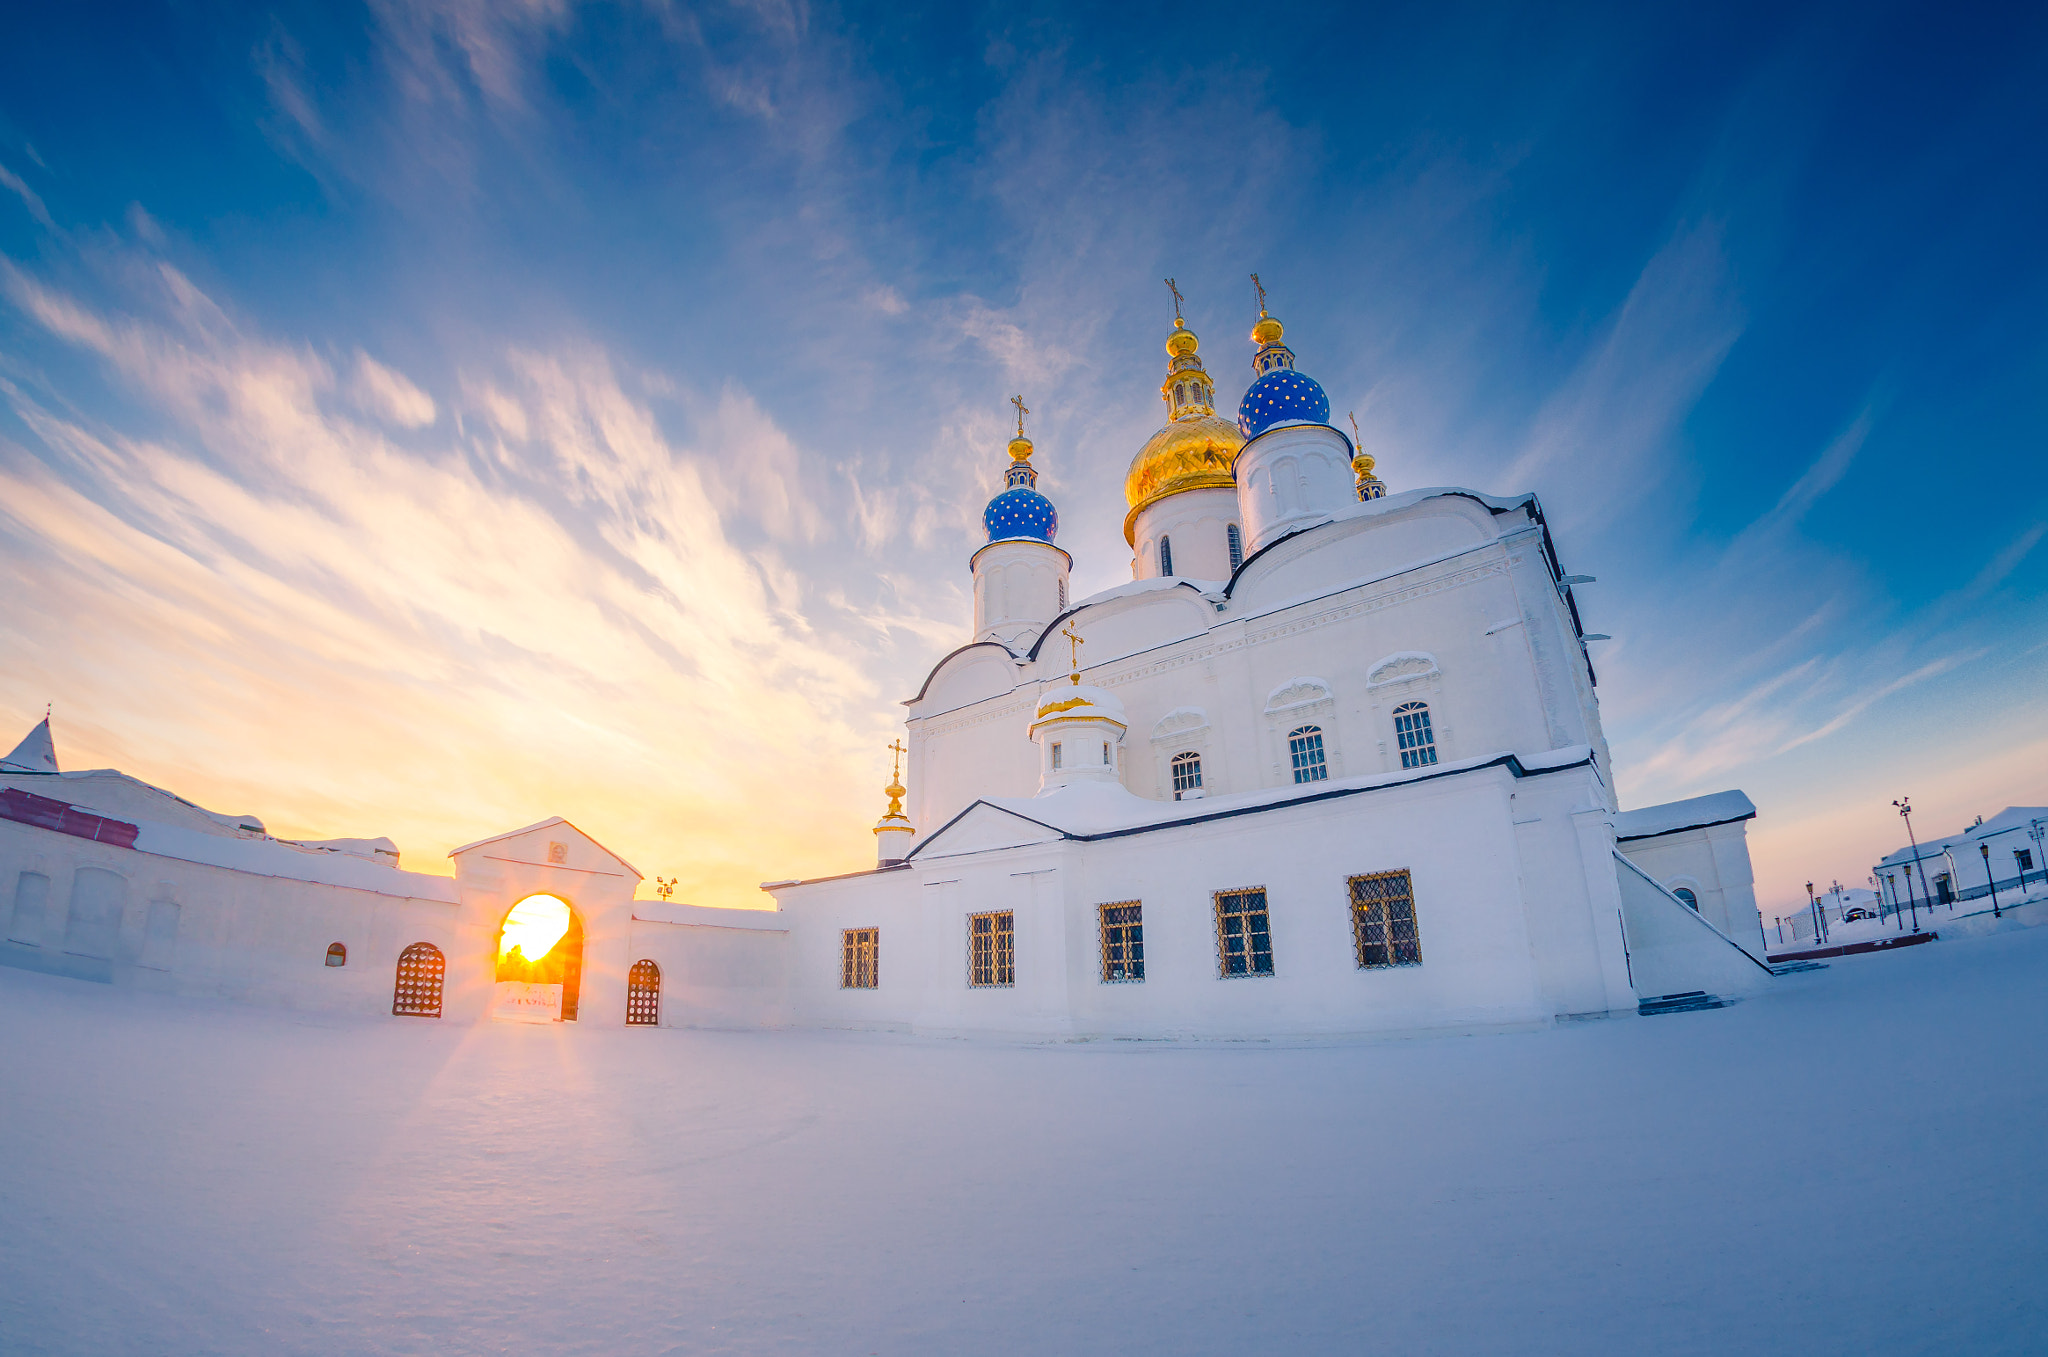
[{"x": 424, "y": 419}]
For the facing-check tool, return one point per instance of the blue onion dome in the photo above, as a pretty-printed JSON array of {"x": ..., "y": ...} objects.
[
  {"x": 1279, "y": 395},
  {"x": 1020, "y": 512}
]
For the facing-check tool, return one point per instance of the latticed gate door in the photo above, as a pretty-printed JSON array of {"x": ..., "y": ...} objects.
[
  {"x": 418, "y": 992},
  {"x": 643, "y": 995}
]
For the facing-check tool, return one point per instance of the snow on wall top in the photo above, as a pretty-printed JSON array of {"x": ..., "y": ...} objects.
[
  {"x": 273, "y": 857},
  {"x": 662, "y": 912},
  {"x": 1716, "y": 808}
]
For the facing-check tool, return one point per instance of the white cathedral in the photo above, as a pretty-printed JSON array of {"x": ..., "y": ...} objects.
[{"x": 1330, "y": 764}]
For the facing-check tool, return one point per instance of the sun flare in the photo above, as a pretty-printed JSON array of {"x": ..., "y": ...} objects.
[{"x": 534, "y": 926}]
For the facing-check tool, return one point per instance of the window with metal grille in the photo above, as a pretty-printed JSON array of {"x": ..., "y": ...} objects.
[
  {"x": 1383, "y": 920},
  {"x": 1692, "y": 902},
  {"x": 643, "y": 995},
  {"x": 1236, "y": 539},
  {"x": 991, "y": 949},
  {"x": 1411, "y": 730},
  {"x": 1305, "y": 753},
  {"x": 1055, "y": 756},
  {"x": 1063, "y": 595},
  {"x": 1187, "y": 773},
  {"x": 1244, "y": 942},
  {"x": 1166, "y": 555},
  {"x": 417, "y": 994},
  {"x": 1123, "y": 943},
  {"x": 860, "y": 958},
  {"x": 337, "y": 955}
]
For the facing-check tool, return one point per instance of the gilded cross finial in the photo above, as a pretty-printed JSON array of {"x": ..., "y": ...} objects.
[
  {"x": 1074, "y": 642},
  {"x": 1176, "y": 300},
  {"x": 1355, "y": 439},
  {"x": 1022, "y": 410},
  {"x": 896, "y": 747},
  {"x": 1262, "y": 295}
]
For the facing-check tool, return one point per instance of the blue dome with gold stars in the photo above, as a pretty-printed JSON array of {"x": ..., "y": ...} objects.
[
  {"x": 1281, "y": 396},
  {"x": 1020, "y": 512}
]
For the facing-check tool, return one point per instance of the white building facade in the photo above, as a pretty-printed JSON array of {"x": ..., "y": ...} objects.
[{"x": 1330, "y": 763}]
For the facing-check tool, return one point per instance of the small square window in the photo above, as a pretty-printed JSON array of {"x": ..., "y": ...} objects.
[
  {"x": 991, "y": 949},
  {"x": 1123, "y": 943},
  {"x": 1055, "y": 757},
  {"x": 1383, "y": 920},
  {"x": 1244, "y": 939},
  {"x": 860, "y": 958}
]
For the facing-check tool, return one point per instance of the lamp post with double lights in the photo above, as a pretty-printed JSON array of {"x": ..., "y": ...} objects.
[
  {"x": 1905, "y": 805},
  {"x": 1985, "y": 849}
]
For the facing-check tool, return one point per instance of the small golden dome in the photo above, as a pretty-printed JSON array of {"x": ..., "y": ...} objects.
[
  {"x": 1182, "y": 341},
  {"x": 1020, "y": 448},
  {"x": 1188, "y": 454},
  {"x": 1363, "y": 464},
  {"x": 1267, "y": 331}
]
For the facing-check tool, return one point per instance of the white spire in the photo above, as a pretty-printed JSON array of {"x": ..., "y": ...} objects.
[{"x": 35, "y": 754}]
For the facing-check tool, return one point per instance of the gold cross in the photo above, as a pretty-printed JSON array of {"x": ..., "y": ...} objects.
[
  {"x": 900, "y": 751},
  {"x": 1075, "y": 641},
  {"x": 1022, "y": 410},
  {"x": 1262, "y": 293},
  {"x": 1176, "y": 298},
  {"x": 1355, "y": 439}
]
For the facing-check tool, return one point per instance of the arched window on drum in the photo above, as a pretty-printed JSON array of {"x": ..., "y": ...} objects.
[
  {"x": 643, "y": 995},
  {"x": 417, "y": 994},
  {"x": 1305, "y": 754},
  {"x": 1187, "y": 774},
  {"x": 1412, "y": 732}
]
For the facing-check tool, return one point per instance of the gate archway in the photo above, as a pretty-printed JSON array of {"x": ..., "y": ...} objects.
[
  {"x": 643, "y": 995},
  {"x": 546, "y": 924},
  {"x": 417, "y": 993}
]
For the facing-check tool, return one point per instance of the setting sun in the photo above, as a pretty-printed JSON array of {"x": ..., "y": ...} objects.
[{"x": 534, "y": 926}]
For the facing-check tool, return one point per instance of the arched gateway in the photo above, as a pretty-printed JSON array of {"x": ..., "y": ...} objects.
[{"x": 540, "y": 942}]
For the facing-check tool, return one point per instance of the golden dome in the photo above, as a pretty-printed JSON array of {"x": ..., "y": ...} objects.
[
  {"x": 1267, "y": 331},
  {"x": 1188, "y": 454},
  {"x": 1182, "y": 341},
  {"x": 1020, "y": 448}
]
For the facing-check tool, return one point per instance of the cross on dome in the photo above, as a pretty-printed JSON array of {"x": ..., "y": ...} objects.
[{"x": 1075, "y": 642}]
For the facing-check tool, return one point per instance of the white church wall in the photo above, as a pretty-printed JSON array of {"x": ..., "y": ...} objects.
[
  {"x": 1713, "y": 862},
  {"x": 1197, "y": 524},
  {"x": 717, "y": 975},
  {"x": 1480, "y": 959},
  {"x": 1291, "y": 476}
]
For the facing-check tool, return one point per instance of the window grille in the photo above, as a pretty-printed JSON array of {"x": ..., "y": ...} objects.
[
  {"x": 1236, "y": 547},
  {"x": 1187, "y": 773},
  {"x": 1123, "y": 943},
  {"x": 1166, "y": 555},
  {"x": 2025, "y": 858},
  {"x": 337, "y": 955},
  {"x": 1305, "y": 753},
  {"x": 1383, "y": 920},
  {"x": 421, "y": 968},
  {"x": 1692, "y": 902},
  {"x": 1055, "y": 756},
  {"x": 643, "y": 995},
  {"x": 860, "y": 958},
  {"x": 1412, "y": 732},
  {"x": 1244, "y": 942},
  {"x": 1063, "y": 595},
  {"x": 992, "y": 951}
]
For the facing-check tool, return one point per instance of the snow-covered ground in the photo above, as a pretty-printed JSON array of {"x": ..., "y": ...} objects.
[{"x": 1852, "y": 1164}]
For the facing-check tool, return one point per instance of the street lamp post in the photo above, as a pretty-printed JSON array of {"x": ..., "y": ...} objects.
[
  {"x": 1955, "y": 878},
  {"x": 1897, "y": 913},
  {"x": 1813, "y": 914},
  {"x": 1905, "y": 805},
  {"x": 2037, "y": 830},
  {"x": 1985, "y": 849}
]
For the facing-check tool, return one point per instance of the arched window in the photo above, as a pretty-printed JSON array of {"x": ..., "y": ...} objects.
[
  {"x": 418, "y": 992},
  {"x": 643, "y": 995},
  {"x": 1236, "y": 547},
  {"x": 337, "y": 955},
  {"x": 1166, "y": 555},
  {"x": 1305, "y": 753},
  {"x": 1412, "y": 732},
  {"x": 1187, "y": 774},
  {"x": 1180, "y": 393},
  {"x": 1692, "y": 902}
]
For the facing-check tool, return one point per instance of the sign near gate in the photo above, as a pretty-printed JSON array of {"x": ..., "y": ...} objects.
[{"x": 517, "y": 1001}]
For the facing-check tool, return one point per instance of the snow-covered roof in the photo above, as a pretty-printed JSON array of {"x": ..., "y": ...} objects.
[
  {"x": 1090, "y": 810},
  {"x": 2007, "y": 830},
  {"x": 37, "y": 752},
  {"x": 1697, "y": 812},
  {"x": 105, "y": 791},
  {"x": 274, "y": 857}
]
